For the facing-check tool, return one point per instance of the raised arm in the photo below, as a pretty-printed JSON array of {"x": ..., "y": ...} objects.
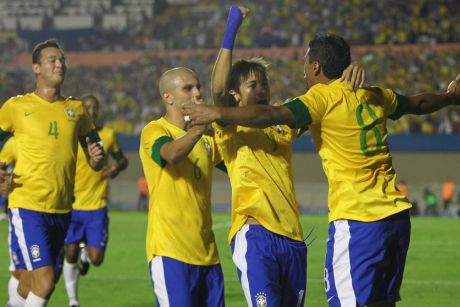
[
  {"x": 428, "y": 103},
  {"x": 223, "y": 65}
]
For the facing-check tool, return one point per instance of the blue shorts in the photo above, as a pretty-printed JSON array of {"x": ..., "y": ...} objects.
[
  {"x": 90, "y": 226},
  {"x": 365, "y": 260},
  {"x": 40, "y": 237},
  {"x": 272, "y": 269},
  {"x": 178, "y": 284}
]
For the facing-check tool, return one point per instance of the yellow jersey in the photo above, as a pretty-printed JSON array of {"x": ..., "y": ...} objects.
[
  {"x": 91, "y": 187},
  {"x": 8, "y": 154},
  {"x": 258, "y": 162},
  {"x": 47, "y": 136},
  {"x": 349, "y": 131},
  {"x": 179, "y": 218}
]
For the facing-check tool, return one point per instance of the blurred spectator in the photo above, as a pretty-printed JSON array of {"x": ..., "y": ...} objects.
[
  {"x": 448, "y": 192},
  {"x": 143, "y": 199},
  {"x": 403, "y": 188},
  {"x": 431, "y": 202}
]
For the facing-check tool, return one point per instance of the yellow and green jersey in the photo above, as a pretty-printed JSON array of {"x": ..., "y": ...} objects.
[
  {"x": 47, "y": 136},
  {"x": 258, "y": 162},
  {"x": 91, "y": 187},
  {"x": 8, "y": 154},
  {"x": 349, "y": 132},
  {"x": 179, "y": 218}
]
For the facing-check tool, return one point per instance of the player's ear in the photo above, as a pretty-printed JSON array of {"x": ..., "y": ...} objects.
[
  {"x": 36, "y": 68},
  {"x": 236, "y": 96},
  {"x": 316, "y": 68},
  {"x": 168, "y": 98}
]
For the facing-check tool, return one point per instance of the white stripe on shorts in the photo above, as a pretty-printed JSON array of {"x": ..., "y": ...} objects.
[
  {"x": 12, "y": 267},
  {"x": 341, "y": 264},
  {"x": 157, "y": 275},
  {"x": 19, "y": 232},
  {"x": 239, "y": 258}
]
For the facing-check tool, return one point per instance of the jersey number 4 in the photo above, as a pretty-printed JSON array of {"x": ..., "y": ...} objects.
[
  {"x": 369, "y": 128},
  {"x": 53, "y": 129}
]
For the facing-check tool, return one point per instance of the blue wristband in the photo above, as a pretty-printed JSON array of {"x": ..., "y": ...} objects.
[{"x": 233, "y": 22}]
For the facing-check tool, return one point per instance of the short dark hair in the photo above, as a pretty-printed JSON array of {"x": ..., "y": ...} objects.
[
  {"x": 89, "y": 96},
  {"x": 242, "y": 69},
  {"x": 36, "y": 53},
  {"x": 332, "y": 52}
]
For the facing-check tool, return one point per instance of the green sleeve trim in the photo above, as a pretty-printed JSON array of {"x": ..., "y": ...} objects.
[
  {"x": 156, "y": 150},
  {"x": 222, "y": 167},
  {"x": 300, "y": 111},
  {"x": 3, "y": 134},
  {"x": 93, "y": 136},
  {"x": 117, "y": 155},
  {"x": 401, "y": 107}
]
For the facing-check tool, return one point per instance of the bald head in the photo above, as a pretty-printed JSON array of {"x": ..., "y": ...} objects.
[{"x": 171, "y": 78}]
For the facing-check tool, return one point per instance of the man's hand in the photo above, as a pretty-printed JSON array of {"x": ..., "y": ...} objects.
[
  {"x": 200, "y": 114},
  {"x": 3, "y": 173},
  {"x": 454, "y": 87},
  {"x": 244, "y": 11},
  {"x": 236, "y": 14},
  {"x": 200, "y": 129},
  {"x": 354, "y": 75},
  {"x": 95, "y": 151},
  {"x": 110, "y": 171}
]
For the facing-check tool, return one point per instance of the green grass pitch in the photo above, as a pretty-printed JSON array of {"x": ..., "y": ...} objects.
[{"x": 432, "y": 276}]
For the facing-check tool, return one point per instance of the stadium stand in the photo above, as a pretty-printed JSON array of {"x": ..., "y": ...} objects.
[{"x": 184, "y": 32}]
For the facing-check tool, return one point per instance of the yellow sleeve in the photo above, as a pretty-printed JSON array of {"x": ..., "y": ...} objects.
[
  {"x": 152, "y": 139},
  {"x": 308, "y": 108},
  {"x": 8, "y": 153},
  {"x": 6, "y": 120}
]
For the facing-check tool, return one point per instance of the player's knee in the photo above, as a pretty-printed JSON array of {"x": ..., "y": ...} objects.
[
  {"x": 71, "y": 253},
  {"x": 43, "y": 287},
  {"x": 97, "y": 259}
]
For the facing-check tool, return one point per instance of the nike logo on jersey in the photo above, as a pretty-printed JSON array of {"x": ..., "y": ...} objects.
[{"x": 28, "y": 113}]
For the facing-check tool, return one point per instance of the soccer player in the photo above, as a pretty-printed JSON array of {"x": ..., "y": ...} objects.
[
  {"x": 47, "y": 128},
  {"x": 369, "y": 227},
  {"x": 266, "y": 236},
  {"x": 178, "y": 164},
  {"x": 89, "y": 215},
  {"x": 17, "y": 267}
]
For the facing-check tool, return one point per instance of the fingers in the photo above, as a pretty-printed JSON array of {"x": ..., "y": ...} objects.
[
  {"x": 95, "y": 150},
  {"x": 354, "y": 76},
  {"x": 454, "y": 86},
  {"x": 244, "y": 11},
  {"x": 363, "y": 72},
  {"x": 346, "y": 74}
]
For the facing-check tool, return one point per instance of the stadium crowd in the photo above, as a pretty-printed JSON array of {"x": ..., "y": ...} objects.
[
  {"x": 130, "y": 98},
  {"x": 200, "y": 22}
]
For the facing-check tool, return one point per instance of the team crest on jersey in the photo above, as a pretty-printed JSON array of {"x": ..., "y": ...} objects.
[
  {"x": 261, "y": 299},
  {"x": 70, "y": 112},
  {"x": 35, "y": 251}
]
